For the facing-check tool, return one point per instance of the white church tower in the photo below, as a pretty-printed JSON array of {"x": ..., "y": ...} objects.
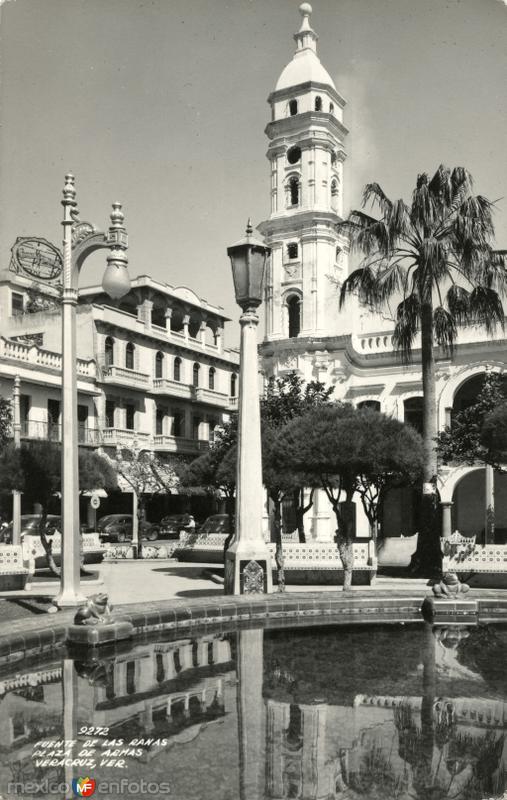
[{"x": 308, "y": 255}]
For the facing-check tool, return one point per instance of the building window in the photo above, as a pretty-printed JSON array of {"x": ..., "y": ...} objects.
[
  {"x": 53, "y": 420},
  {"x": 159, "y": 365},
  {"x": 159, "y": 421},
  {"x": 109, "y": 352},
  {"x": 337, "y": 253},
  {"x": 177, "y": 369},
  {"x": 294, "y": 155},
  {"x": 110, "y": 409},
  {"x": 334, "y": 187},
  {"x": 195, "y": 375},
  {"x": 293, "y": 107},
  {"x": 373, "y": 405},
  {"x": 292, "y": 250},
  {"x": 234, "y": 381},
  {"x": 130, "y": 413},
  {"x": 131, "y": 677},
  {"x": 294, "y": 191},
  {"x": 211, "y": 378},
  {"x": 413, "y": 408},
  {"x": 178, "y": 423},
  {"x": 331, "y": 108},
  {"x": 17, "y": 303},
  {"x": 318, "y": 103},
  {"x": 82, "y": 423},
  {"x": 294, "y": 315},
  {"x": 129, "y": 355}
]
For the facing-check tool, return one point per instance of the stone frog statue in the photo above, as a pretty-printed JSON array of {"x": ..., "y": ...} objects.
[
  {"x": 450, "y": 587},
  {"x": 96, "y": 611}
]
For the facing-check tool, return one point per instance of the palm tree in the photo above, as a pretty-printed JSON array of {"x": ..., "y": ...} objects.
[{"x": 436, "y": 260}]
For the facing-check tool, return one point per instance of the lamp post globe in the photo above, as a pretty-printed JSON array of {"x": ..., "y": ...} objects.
[{"x": 248, "y": 560}]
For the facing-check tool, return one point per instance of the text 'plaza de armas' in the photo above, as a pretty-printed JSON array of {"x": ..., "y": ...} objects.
[{"x": 154, "y": 372}]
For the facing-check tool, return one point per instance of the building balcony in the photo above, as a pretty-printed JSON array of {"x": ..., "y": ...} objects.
[
  {"x": 179, "y": 444},
  {"x": 37, "y": 429},
  {"x": 123, "y": 437},
  {"x": 123, "y": 376},
  {"x": 210, "y": 396},
  {"x": 232, "y": 404},
  {"x": 35, "y": 356},
  {"x": 174, "y": 388}
]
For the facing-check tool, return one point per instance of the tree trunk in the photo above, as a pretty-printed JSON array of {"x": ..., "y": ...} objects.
[
  {"x": 299, "y": 505},
  {"x": 277, "y": 530},
  {"x": 344, "y": 536},
  {"x": 48, "y": 544},
  {"x": 427, "y": 559}
]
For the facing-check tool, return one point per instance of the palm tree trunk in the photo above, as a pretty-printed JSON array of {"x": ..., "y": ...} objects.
[{"x": 428, "y": 557}]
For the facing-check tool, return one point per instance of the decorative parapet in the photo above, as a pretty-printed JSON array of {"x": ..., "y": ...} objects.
[{"x": 31, "y": 354}]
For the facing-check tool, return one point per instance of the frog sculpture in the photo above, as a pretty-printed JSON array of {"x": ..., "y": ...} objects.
[
  {"x": 449, "y": 587},
  {"x": 96, "y": 611}
]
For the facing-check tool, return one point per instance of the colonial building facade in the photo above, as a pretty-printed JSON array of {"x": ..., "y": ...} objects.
[
  {"x": 351, "y": 348},
  {"x": 153, "y": 370}
]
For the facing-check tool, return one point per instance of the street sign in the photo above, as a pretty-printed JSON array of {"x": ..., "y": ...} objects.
[{"x": 95, "y": 501}]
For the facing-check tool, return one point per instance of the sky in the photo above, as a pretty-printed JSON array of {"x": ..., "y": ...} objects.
[{"x": 161, "y": 104}]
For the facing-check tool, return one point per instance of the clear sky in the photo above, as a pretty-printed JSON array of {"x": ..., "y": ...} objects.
[{"x": 161, "y": 104}]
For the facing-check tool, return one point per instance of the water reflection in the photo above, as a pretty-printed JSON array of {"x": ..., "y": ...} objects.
[{"x": 315, "y": 714}]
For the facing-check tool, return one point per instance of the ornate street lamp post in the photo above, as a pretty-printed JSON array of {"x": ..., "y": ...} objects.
[
  {"x": 80, "y": 239},
  {"x": 248, "y": 561},
  {"x": 16, "y": 430}
]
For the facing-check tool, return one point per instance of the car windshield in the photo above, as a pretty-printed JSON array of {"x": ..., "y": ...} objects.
[{"x": 217, "y": 524}]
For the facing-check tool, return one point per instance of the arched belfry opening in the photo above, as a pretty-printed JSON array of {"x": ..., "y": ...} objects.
[{"x": 294, "y": 308}]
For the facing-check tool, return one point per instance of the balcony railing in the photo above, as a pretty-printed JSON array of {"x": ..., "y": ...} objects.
[
  {"x": 175, "y": 388},
  {"x": 125, "y": 437},
  {"x": 32, "y": 354},
  {"x": 122, "y": 375},
  {"x": 210, "y": 396},
  {"x": 52, "y": 432},
  {"x": 179, "y": 444}
]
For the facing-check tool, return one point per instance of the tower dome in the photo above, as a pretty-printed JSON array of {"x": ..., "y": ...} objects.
[{"x": 305, "y": 65}]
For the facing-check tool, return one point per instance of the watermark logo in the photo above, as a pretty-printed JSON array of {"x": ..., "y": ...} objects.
[{"x": 83, "y": 787}]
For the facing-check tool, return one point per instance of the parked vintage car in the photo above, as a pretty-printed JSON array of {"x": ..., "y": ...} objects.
[
  {"x": 171, "y": 525},
  {"x": 92, "y": 548},
  {"x": 217, "y": 523},
  {"x": 118, "y": 528}
]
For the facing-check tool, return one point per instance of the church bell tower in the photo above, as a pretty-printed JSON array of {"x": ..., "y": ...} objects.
[{"x": 306, "y": 155}]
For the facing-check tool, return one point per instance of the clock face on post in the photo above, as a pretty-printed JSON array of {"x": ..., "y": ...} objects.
[{"x": 36, "y": 258}]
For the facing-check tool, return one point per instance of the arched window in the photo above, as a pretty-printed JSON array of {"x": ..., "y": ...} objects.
[
  {"x": 294, "y": 191},
  {"x": 159, "y": 365},
  {"x": 334, "y": 187},
  {"x": 331, "y": 108},
  {"x": 177, "y": 369},
  {"x": 318, "y": 103},
  {"x": 413, "y": 408},
  {"x": 109, "y": 351},
  {"x": 211, "y": 378},
  {"x": 234, "y": 380},
  {"x": 294, "y": 155},
  {"x": 292, "y": 250},
  {"x": 195, "y": 374},
  {"x": 337, "y": 254},
  {"x": 129, "y": 355},
  {"x": 294, "y": 315},
  {"x": 293, "y": 107},
  {"x": 374, "y": 405}
]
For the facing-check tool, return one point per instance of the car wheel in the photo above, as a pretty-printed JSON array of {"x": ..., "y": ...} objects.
[
  {"x": 122, "y": 536},
  {"x": 152, "y": 535}
]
